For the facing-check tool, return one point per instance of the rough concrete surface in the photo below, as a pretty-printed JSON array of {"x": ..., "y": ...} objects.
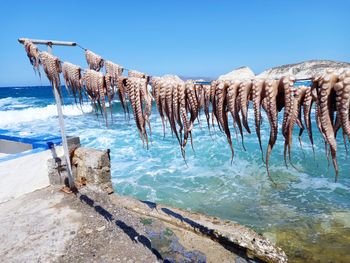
[
  {"x": 90, "y": 226},
  {"x": 36, "y": 226}
]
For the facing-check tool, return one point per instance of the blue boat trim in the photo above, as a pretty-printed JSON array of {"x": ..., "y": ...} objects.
[{"x": 38, "y": 143}]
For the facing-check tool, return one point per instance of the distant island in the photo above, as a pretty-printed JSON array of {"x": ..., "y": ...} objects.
[{"x": 299, "y": 70}]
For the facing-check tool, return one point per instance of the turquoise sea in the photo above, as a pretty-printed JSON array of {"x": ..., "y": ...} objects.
[{"x": 307, "y": 213}]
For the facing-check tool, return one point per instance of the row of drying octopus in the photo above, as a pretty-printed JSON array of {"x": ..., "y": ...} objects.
[{"x": 179, "y": 102}]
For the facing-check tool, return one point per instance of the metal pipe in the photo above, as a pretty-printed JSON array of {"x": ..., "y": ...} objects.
[
  {"x": 62, "y": 128},
  {"x": 48, "y": 42}
]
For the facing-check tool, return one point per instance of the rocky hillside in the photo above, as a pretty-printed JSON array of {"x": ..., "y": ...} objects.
[
  {"x": 239, "y": 73},
  {"x": 300, "y": 70},
  {"x": 304, "y": 69}
]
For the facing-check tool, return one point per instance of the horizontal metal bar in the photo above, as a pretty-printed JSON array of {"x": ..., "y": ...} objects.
[{"x": 48, "y": 42}]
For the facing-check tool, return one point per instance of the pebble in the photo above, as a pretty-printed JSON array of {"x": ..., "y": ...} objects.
[
  {"x": 88, "y": 231},
  {"x": 100, "y": 228}
]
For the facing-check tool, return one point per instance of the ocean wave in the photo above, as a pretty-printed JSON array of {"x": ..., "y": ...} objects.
[
  {"x": 10, "y": 117},
  {"x": 13, "y": 103}
]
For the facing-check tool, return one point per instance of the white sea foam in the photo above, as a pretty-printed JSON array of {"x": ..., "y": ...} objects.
[
  {"x": 5, "y": 101},
  {"x": 10, "y": 117}
]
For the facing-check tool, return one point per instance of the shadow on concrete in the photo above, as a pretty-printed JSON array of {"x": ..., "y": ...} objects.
[
  {"x": 149, "y": 204},
  {"x": 135, "y": 236},
  {"x": 128, "y": 230}
]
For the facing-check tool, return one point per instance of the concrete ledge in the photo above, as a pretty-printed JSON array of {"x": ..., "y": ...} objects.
[{"x": 231, "y": 235}]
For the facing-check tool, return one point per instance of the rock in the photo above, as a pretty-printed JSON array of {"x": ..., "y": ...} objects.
[
  {"x": 57, "y": 167},
  {"x": 93, "y": 167},
  {"x": 88, "y": 231},
  {"x": 239, "y": 73},
  {"x": 99, "y": 229}
]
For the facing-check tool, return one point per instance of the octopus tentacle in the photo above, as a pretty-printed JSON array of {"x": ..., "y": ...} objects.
[
  {"x": 176, "y": 109},
  {"x": 307, "y": 105},
  {"x": 271, "y": 92},
  {"x": 33, "y": 54},
  {"x": 192, "y": 104},
  {"x": 122, "y": 94},
  {"x": 343, "y": 103},
  {"x": 156, "y": 83},
  {"x": 257, "y": 94},
  {"x": 52, "y": 67},
  {"x": 109, "y": 90},
  {"x": 113, "y": 72},
  {"x": 243, "y": 101},
  {"x": 342, "y": 89},
  {"x": 214, "y": 117},
  {"x": 162, "y": 93},
  {"x": 134, "y": 91},
  {"x": 73, "y": 79},
  {"x": 294, "y": 114},
  {"x": 221, "y": 113},
  {"x": 183, "y": 115},
  {"x": 206, "y": 103},
  {"x": 169, "y": 86},
  {"x": 146, "y": 98},
  {"x": 324, "y": 97},
  {"x": 232, "y": 106}
]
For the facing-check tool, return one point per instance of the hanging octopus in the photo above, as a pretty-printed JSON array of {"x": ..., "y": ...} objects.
[
  {"x": 94, "y": 61},
  {"x": 134, "y": 86},
  {"x": 180, "y": 103},
  {"x": 95, "y": 85},
  {"x": 52, "y": 68},
  {"x": 113, "y": 72},
  {"x": 73, "y": 79},
  {"x": 297, "y": 96},
  {"x": 291, "y": 100},
  {"x": 325, "y": 113},
  {"x": 271, "y": 92},
  {"x": 233, "y": 106},
  {"x": 33, "y": 54}
]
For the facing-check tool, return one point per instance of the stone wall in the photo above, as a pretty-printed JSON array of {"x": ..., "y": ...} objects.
[
  {"x": 89, "y": 167},
  {"x": 92, "y": 167}
]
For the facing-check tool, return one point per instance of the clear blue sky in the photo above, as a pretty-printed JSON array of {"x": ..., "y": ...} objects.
[{"x": 188, "y": 38}]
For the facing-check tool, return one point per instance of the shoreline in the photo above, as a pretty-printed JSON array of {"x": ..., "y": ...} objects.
[{"x": 50, "y": 225}]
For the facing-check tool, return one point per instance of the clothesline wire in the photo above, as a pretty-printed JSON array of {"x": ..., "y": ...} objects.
[{"x": 80, "y": 46}]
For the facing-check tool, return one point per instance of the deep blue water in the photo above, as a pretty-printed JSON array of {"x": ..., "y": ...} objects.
[{"x": 307, "y": 213}]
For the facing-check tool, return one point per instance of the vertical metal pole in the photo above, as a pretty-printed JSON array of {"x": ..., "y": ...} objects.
[{"x": 63, "y": 131}]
